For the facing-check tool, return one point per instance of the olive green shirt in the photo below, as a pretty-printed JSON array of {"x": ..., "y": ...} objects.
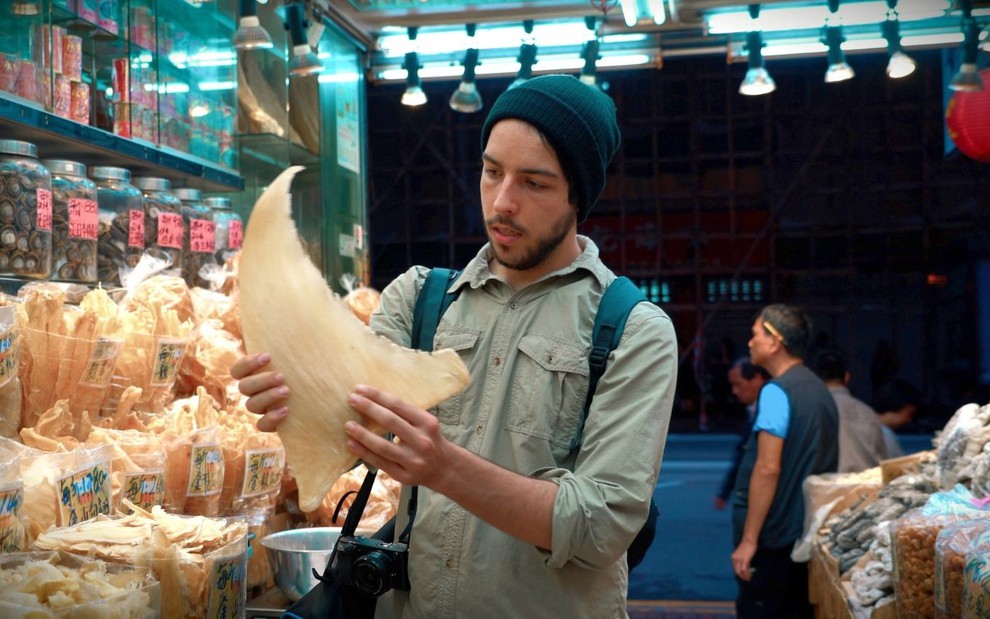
[{"x": 527, "y": 353}]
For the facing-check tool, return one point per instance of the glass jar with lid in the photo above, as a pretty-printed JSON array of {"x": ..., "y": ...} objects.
[
  {"x": 163, "y": 226},
  {"x": 199, "y": 246},
  {"x": 25, "y": 212},
  {"x": 229, "y": 228},
  {"x": 120, "y": 241},
  {"x": 75, "y": 222}
]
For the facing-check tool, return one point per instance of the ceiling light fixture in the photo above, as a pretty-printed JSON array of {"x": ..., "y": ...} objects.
[
  {"x": 900, "y": 64},
  {"x": 967, "y": 79},
  {"x": 304, "y": 61},
  {"x": 589, "y": 53},
  {"x": 250, "y": 34},
  {"x": 757, "y": 81},
  {"x": 630, "y": 12},
  {"x": 527, "y": 55},
  {"x": 466, "y": 98},
  {"x": 413, "y": 95},
  {"x": 810, "y": 16},
  {"x": 659, "y": 15},
  {"x": 838, "y": 70}
]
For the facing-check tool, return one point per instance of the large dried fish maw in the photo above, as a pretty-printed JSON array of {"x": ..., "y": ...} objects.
[{"x": 323, "y": 350}]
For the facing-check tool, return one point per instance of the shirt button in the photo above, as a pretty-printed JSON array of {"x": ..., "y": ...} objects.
[
  {"x": 513, "y": 305},
  {"x": 450, "y": 563},
  {"x": 497, "y": 361},
  {"x": 478, "y": 430}
]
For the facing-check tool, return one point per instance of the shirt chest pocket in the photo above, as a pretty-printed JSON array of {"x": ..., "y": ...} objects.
[
  {"x": 550, "y": 383},
  {"x": 464, "y": 344}
]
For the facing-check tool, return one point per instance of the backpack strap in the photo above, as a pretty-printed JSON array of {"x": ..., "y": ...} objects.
[
  {"x": 619, "y": 299},
  {"x": 432, "y": 302}
]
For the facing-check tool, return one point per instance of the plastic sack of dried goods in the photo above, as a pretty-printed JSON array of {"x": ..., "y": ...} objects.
[
  {"x": 253, "y": 465},
  {"x": 12, "y": 531},
  {"x": 259, "y": 570},
  {"x": 138, "y": 467},
  {"x": 149, "y": 361},
  {"x": 194, "y": 472},
  {"x": 976, "y": 579},
  {"x": 950, "y": 560},
  {"x": 10, "y": 382},
  {"x": 60, "y": 585},
  {"x": 63, "y": 489}
]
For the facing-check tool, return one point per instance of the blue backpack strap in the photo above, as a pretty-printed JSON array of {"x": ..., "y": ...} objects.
[
  {"x": 619, "y": 299},
  {"x": 432, "y": 302}
]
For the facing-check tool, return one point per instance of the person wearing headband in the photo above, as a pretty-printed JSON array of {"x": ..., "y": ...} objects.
[{"x": 795, "y": 434}]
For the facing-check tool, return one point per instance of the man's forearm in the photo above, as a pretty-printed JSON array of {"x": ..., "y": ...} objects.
[
  {"x": 518, "y": 505},
  {"x": 762, "y": 487}
]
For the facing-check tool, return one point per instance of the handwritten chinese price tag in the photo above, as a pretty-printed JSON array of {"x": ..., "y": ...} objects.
[
  {"x": 44, "y": 209},
  {"x": 11, "y": 531},
  {"x": 976, "y": 585},
  {"x": 135, "y": 228},
  {"x": 102, "y": 362},
  {"x": 236, "y": 235},
  {"x": 205, "y": 470},
  {"x": 170, "y": 230},
  {"x": 228, "y": 595},
  {"x": 8, "y": 355},
  {"x": 201, "y": 235},
  {"x": 262, "y": 471},
  {"x": 145, "y": 489},
  {"x": 84, "y": 219},
  {"x": 83, "y": 495},
  {"x": 168, "y": 358}
]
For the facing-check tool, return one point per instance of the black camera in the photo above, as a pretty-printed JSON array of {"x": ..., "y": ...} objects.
[{"x": 371, "y": 566}]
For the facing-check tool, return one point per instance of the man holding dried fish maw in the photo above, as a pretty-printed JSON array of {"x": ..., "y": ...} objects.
[{"x": 522, "y": 512}]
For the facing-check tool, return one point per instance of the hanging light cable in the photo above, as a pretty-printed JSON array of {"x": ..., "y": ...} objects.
[
  {"x": 250, "y": 34},
  {"x": 900, "y": 64},
  {"x": 413, "y": 95},
  {"x": 304, "y": 61},
  {"x": 757, "y": 80},
  {"x": 527, "y": 55},
  {"x": 967, "y": 79},
  {"x": 589, "y": 53},
  {"x": 838, "y": 70},
  {"x": 466, "y": 98}
]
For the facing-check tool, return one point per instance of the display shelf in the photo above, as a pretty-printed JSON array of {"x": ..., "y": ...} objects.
[{"x": 66, "y": 139}]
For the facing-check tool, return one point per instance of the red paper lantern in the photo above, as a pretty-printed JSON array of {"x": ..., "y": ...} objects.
[{"x": 968, "y": 119}]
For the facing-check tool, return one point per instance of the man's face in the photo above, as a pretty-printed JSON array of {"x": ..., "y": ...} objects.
[
  {"x": 761, "y": 344},
  {"x": 746, "y": 391},
  {"x": 524, "y": 201}
]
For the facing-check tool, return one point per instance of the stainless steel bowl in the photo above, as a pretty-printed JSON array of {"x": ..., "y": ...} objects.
[{"x": 295, "y": 553}]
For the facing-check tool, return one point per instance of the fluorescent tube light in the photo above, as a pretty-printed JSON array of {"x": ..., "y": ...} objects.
[{"x": 775, "y": 19}]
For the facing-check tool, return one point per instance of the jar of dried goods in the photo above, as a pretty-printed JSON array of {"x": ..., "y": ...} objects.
[
  {"x": 25, "y": 212},
  {"x": 229, "y": 228},
  {"x": 120, "y": 242},
  {"x": 75, "y": 222},
  {"x": 163, "y": 226},
  {"x": 199, "y": 246}
]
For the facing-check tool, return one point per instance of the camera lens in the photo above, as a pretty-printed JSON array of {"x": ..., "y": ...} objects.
[{"x": 372, "y": 573}]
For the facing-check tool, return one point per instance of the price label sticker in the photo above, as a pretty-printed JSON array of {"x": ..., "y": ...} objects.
[
  {"x": 205, "y": 470},
  {"x": 170, "y": 230},
  {"x": 262, "y": 471},
  {"x": 102, "y": 362},
  {"x": 83, "y": 495},
  {"x": 11, "y": 530},
  {"x": 168, "y": 358},
  {"x": 145, "y": 489},
  {"x": 84, "y": 219},
  {"x": 135, "y": 228},
  {"x": 236, "y": 234},
  {"x": 201, "y": 235},
  {"x": 228, "y": 594},
  {"x": 8, "y": 355},
  {"x": 44, "y": 209}
]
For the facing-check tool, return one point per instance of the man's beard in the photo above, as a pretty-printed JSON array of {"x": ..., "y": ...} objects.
[{"x": 535, "y": 256}]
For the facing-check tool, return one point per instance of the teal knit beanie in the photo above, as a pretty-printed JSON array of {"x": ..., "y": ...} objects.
[{"x": 577, "y": 119}]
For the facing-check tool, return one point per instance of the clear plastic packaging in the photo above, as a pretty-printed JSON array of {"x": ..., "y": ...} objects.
[
  {"x": 138, "y": 467},
  {"x": 976, "y": 579},
  {"x": 229, "y": 228},
  {"x": 950, "y": 560},
  {"x": 121, "y": 220},
  {"x": 164, "y": 228},
  {"x": 25, "y": 212},
  {"x": 198, "y": 249},
  {"x": 913, "y": 537},
  {"x": 75, "y": 222},
  {"x": 195, "y": 472},
  {"x": 10, "y": 382}
]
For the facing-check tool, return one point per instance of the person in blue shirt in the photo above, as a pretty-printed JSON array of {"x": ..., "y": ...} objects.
[{"x": 795, "y": 434}]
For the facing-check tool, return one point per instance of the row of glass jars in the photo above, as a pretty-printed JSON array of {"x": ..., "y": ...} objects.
[{"x": 57, "y": 223}]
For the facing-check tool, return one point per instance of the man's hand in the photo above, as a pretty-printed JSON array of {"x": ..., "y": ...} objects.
[
  {"x": 419, "y": 456},
  {"x": 266, "y": 390},
  {"x": 741, "y": 559}
]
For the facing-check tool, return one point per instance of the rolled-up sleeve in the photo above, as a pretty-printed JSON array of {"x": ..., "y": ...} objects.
[{"x": 604, "y": 502}]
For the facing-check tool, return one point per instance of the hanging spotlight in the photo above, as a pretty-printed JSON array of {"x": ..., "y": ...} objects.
[
  {"x": 838, "y": 70},
  {"x": 757, "y": 81},
  {"x": 413, "y": 94},
  {"x": 590, "y": 55},
  {"x": 250, "y": 34},
  {"x": 967, "y": 79},
  {"x": 466, "y": 98},
  {"x": 527, "y": 55},
  {"x": 900, "y": 64},
  {"x": 304, "y": 61}
]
